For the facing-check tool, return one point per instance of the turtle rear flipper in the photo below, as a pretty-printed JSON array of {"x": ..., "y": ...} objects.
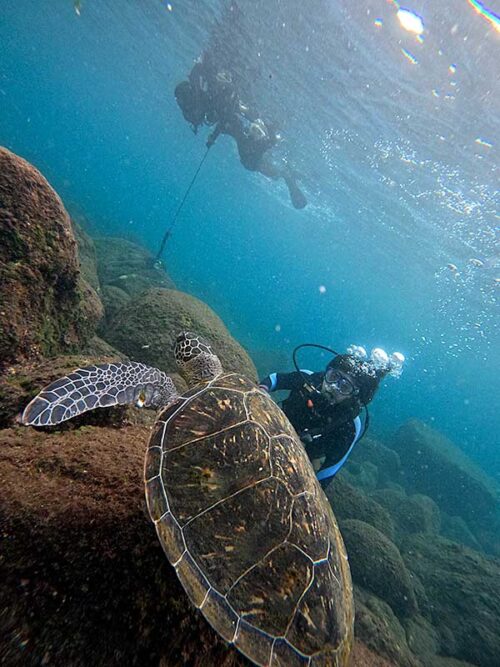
[{"x": 99, "y": 386}]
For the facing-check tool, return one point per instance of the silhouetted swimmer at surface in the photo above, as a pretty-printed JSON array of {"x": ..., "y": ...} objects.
[{"x": 209, "y": 97}]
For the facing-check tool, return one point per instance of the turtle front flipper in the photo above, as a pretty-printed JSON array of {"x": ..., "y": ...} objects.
[{"x": 99, "y": 386}]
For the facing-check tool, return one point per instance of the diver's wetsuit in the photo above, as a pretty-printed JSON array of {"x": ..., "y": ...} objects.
[{"x": 325, "y": 429}]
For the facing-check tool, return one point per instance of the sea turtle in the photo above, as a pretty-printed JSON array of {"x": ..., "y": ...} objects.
[{"x": 235, "y": 502}]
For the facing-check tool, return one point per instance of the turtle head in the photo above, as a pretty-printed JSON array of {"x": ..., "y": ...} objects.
[{"x": 195, "y": 358}]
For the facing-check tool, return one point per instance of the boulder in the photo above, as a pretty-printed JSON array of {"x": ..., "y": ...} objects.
[
  {"x": 422, "y": 639},
  {"x": 440, "y": 661},
  {"x": 84, "y": 578},
  {"x": 129, "y": 266},
  {"x": 46, "y": 308},
  {"x": 378, "y": 628},
  {"x": 433, "y": 466},
  {"x": 87, "y": 256},
  {"x": 113, "y": 299},
  {"x": 146, "y": 327},
  {"x": 351, "y": 503},
  {"x": 97, "y": 347},
  {"x": 414, "y": 514},
  {"x": 377, "y": 566},
  {"x": 456, "y": 529},
  {"x": 385, "y": 459},
  {"x": 463, "y": 591},
  {"x": 362, "y": 656},
  {"x": 363, "y": 476}
]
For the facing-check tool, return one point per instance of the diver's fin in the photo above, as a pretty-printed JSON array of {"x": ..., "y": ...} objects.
[
  {"x": 99, "y": 386},
  {"x": 297, "y": 197}
]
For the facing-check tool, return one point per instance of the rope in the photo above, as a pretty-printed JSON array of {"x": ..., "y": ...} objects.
[{"x": 168, "y": 233}]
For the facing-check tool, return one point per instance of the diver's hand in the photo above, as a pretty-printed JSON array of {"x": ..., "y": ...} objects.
[{"x": 306, "y": 438}]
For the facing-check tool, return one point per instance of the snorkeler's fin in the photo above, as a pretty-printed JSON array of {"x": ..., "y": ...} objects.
[{"x": 297, "y": 197}]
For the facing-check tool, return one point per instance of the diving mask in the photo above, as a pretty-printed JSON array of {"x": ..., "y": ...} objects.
[{"x": 336, "y": 381}]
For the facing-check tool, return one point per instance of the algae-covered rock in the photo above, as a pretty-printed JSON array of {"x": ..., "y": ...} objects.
[
  {"x": 456, "y": 529},
  {"x": 145, "y": 329},
  {"x": 350, "y": 503},
  {"x": 45, "y": 306},
  {"x": 433, "y": 466},
  {"x": 441, "y": 661},
  {"x": 463, "y": 591},
  {"x": 84, "y": 578},
  {"x": 422, "y": 638},
  {"x": 362, "y": 656},
  {"x": 377, "y": 626},
  {"x": 386, "y": 460},
  {"x": 377, "y": 566},
  {"x": 86, "y": 256},
  {"x": 129, "y": 266},
  {"x": 414, "y": 514},
  {"x": 97, "y": 347},
  {"x": 363, "y": 476},
  {"x": 113, "y": 299}
]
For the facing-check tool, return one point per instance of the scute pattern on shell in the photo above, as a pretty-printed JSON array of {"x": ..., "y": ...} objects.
[{"x": 242, "y": 518}]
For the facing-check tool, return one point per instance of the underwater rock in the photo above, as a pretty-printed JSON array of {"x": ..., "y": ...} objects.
[
  {"x": 46, "y": 308},
  {"x": 377, "y": 566},
  {"x": 362, "y": 656},
  {"x": 145, "y": 330},
  {"x": 350, "y": 503},
  {"x": 129, "y": 266},
  {"x": 385, "y": 459},
  {"x": 433, "y": 466},
  {"x": 377, "y": 626},
  {"x": 440, "y": 661},
  {"x": 422, "y": 639},
  {"x": 363, "y": 476},
  {"x": 456, "y": 529},
  {"x": 84, "y": 578},
  {"x": 113, "y": 299},
  {"x": 463, "y": 589},
  {"x": 413, "y": 514},
  {"x": 87, "y": 256},
  {"x": 97, "y": 347}
]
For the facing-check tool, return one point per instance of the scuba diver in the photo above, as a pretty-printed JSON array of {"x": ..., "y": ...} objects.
[
  {"x": 324, "y": 407},
  {"x": 209, "y": 97}
]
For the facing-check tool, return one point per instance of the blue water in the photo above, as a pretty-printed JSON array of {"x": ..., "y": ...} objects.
[{"x": 399, "y": 161}]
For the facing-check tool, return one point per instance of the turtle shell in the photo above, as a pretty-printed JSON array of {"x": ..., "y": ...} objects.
[{"x": 245, "y": 523}]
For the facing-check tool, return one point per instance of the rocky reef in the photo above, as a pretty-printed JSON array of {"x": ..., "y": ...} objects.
[
  {"x": 84, "y": 579},
  {"x": 46, "y": 307},
  {"x": 421, "y": 599}
]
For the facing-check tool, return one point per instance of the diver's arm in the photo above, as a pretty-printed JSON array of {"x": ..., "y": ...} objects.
[
  {"x": 282, "y": 382},
  {"x": 213, "y": 136}
]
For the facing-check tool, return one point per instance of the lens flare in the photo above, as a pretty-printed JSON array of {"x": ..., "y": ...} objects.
[
  {"x": 492, "y": 18},
  {"x": 410, "y": 21}
]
